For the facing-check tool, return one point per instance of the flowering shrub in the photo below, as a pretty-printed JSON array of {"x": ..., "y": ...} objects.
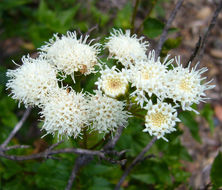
[{"x": 135, "y": 83}]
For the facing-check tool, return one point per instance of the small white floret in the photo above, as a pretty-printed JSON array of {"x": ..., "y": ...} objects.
[
  {"x": 125, "y": 48},
  {"x": 32, "y": 82},
  {"x": 160, "y": 119},
  {"x": 149, "y": 77},
  {"x": 107, "y": 114},
  {"x": 70, "y": 54},
  {"x": 65, "y": 113},
  {"x": 112, "y": 82},
  {"x": 186, "y": 85}
]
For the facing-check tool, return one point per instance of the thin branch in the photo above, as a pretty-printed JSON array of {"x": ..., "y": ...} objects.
[
  {"x": 210, "y": 27},
  {"x": 91, "y": 29},
  {"x": 47, "y": 154},
  {"x": 195, "y": 52},
  {"x": 134, "y": 15},
  {"x": 15, "y": 147},
  {"x": 167, "y": 27},
  {"x": 55, "y": 145},
  {"x": 16, "y": 128},
  {"x": 111, "y": 144},
  {"x": 79, "y": 162},
  {"x": 139, "y": 158}
]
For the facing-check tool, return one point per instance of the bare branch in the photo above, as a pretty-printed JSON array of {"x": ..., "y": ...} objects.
[
  {"x": 47, "y": 153},
  {"x": 16, "y": 128},
  {"x": 111, "y": 144},
  {"x": 79, "y": 162},
  {"x": 91, "y": 29},
  {"x": 210, "y": 27},
  {"x": 134, "y": 15},
  {"x": 55, "y": 145},
  {"x": 139, "y": 158},
  {"x": 14, "y": 147},
  {"x": 194, "y": 54},
  {"x": 167, "y": 27}
]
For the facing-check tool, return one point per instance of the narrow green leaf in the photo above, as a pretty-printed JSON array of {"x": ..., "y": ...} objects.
[
  {"x": 145, "y": 178},
  {"x": 208, "y": 113},
  {"x": 216, "y": 172}
]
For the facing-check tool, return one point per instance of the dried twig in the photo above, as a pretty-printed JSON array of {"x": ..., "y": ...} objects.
[
  {"x": 134, "y": 15},
  {"x": 16, "y": 128},
  {"x": 85, "y": 159},
  {"x": 139, "y": 158},
  {"x": 111, "y": 144},
  {"x": 91, "y": 29},
  {"x": 47, "y": 154},
  {"x": 200, "y": 45},
  {"x": 15, "y": 147},
  {"x": 193, "y": 55},
  {"x": 167, "y": 27},
  {"x": 210, "y": 27},
  {"x": 79, "y": 162}
]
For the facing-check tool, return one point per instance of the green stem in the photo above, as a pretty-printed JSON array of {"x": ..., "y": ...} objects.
[
  {"x": 85, "y": 137},
  {"x": 134, "y": 16}
]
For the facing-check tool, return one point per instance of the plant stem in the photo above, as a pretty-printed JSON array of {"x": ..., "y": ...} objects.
[
  {"x": 134, "y": 16},
  {"x": 135, "y": 161},
  {"x": 85, "y": 138}
]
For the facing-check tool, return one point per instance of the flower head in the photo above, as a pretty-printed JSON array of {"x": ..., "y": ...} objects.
[
  {"x": 160, "y": 119},
  {"x": 106, "y": 114},
  {"x": 149, "y": 77},
  {"x": 32, "y": 82},
  {"x": 65, "y": 113},
  {"x": 186, "y": 85},
  {"x": 113, "y": 82},
  {"x": 126, "y": 48},
  {"x": 70, "y": 54}
]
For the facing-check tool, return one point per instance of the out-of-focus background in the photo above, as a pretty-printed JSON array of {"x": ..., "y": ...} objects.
[{"x": 26, "y": 24}]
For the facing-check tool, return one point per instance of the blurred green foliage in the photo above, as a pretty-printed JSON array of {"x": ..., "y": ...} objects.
[
  {"x": 34, "y": 21},
  {"x": 215, "y": 174}
]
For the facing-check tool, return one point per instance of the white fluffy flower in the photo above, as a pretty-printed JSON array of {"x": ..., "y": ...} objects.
[
  {"x": 160, "y": 119},
  {"x": 32, "y": 82},
  {"x": 65, "y": 113},
  {"x": 126, "y": 48},
  {"x": 107, "y": 114},
  {"x": 186, "y": 85},
  {"x": 113, "y": 82},
  {"x": 149, "y": 77},
  {"x": 70, "y": 54}
]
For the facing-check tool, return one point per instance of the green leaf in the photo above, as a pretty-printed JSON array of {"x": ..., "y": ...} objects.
[
  {"x": 152, "y": 27},
  {"x": 172, "y": 43},
  {"x": 145, "y": 178},
  {"x": 100, "y": 183},
  {"x": 10, "y": 4},
  {"x": 189, "y": 121},
  {"x": 207, "y": 112},
  {"x": 123, "y": 18},
  {"x": 216, "y": 171},
  {"x": 13, "y": 169}
]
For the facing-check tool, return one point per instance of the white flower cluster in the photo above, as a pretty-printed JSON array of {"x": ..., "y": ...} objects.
[
  {"x": 32, "y": 82},
  {"x": 70, "y": 54},
  {"x": 154, "y": 83},
  {"x": 107, "y": 114},
  {"x": 158, "y": 87}
]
